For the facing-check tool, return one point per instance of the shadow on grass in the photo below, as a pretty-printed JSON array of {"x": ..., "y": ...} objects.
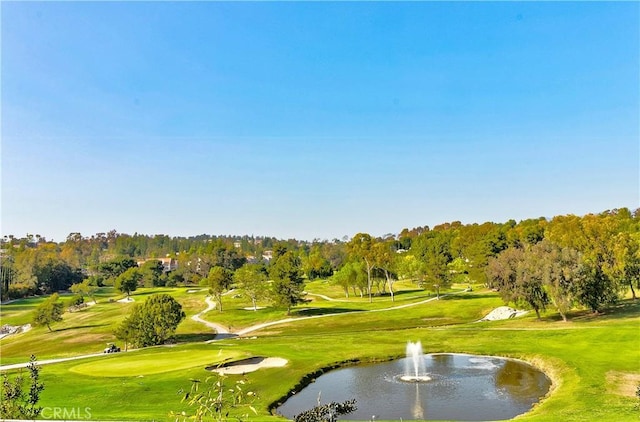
[
  {"x": 194, "y": 337},
  {"x": 405, "y": 292},
  {"x": 624, "y": 309},
  {"x": 467, "y": 296},
  {"x": 323, "y": 311},
  {"x": 78, "y": 327}
]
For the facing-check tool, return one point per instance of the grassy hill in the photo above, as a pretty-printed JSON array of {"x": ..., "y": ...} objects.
[{"x": 592, "y": 359}]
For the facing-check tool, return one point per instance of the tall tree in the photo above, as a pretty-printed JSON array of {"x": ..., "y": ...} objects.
[
  {"x": 387, "y": 261},
  {"x": 49, "y": 311},
  {"x": 361, "y": 247},
  {"x": 530, "y": 282},
  {"x": 288, "y": 284},
  {"x": 252, "y": 279},
  {"x": 518, "y": 275},
  {"x": 434, "y": 250},
  {"x": 218, "y": 281},
  {"x": 595, "y": 288},
  {"x": 54, "y": 275},
  {"x": 151, "y": 272},
  {"x": 560, "y": 269},
  {"x": 113, "y": 268},
  {"x": 627, "y": 260},
  {"x": 127, "y": 282}
]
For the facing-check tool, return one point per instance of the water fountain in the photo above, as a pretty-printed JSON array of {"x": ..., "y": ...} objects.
[
  {"x": 441, "y": 386},
  {"x": 414, "y": 370}
]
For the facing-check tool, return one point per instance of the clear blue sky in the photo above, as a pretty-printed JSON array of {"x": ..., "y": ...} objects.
[{"x": 314, "y": 120}]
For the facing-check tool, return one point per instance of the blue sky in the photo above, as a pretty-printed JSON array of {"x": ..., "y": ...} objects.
[{"x": 314, "y": 120}]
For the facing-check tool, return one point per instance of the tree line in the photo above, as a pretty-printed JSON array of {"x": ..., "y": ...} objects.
[{"x": 562, "y": 261}]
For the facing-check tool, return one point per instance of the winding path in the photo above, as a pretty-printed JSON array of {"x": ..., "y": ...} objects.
[
  {"x": 221, "y": 330},
  {"x": 224, "y": 333}
]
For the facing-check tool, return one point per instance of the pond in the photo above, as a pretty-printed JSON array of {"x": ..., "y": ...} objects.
[{"x": 460, "y": 387}]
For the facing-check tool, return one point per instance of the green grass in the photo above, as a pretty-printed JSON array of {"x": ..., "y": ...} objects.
[
  {"x": 90, "y": 329},
  {"x": 580, "y": 355},
  {"x": 153, "y": 361}
]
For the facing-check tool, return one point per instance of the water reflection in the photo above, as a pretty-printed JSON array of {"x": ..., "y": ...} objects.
[
  {"x": 417, "y": 410},
  {"x": 519, "y": 381},
  {"x": 462, "y": 387}
]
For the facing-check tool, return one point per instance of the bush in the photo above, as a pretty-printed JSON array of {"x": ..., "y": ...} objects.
[{"x": 17, "y": 403}]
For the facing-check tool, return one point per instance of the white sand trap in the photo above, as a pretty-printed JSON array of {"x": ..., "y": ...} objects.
[
  {"x": 195, "y": 290},
  {"x": 503, "y": 312},
  {"x": 127, "y": 300},
  {"x": 253, "y": 364},
  {"x": 8, "y": 330},
  {"x": 250, "y": 308}
]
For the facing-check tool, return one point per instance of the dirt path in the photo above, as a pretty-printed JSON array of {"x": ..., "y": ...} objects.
[
  {"x": 49, "y": 361},
  {"x": 257, "y": 327},
  {"x": 327, "y": 298},
  {"x": 221, "y": 330}
]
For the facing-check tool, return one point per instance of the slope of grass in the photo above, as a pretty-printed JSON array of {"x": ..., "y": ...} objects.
[{"x": 144, "y": 385}]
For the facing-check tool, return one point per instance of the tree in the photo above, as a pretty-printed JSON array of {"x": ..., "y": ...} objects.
[
  {"x": 218, "y": 281},
  {"x": 152, "y": 322},
  {"x": 151, "y": 272},
  {"x": 434, "y": 250},
  {"x": 345, "y": 277},
  {"x": 16, "y": 403},
  {"x": 85, "y": 289},
  {"x": 361, "y": 247},
  {"x": 387, "y": 261},
  {"x": 627, "y": 260},
  {"x": 54, "y": 275},
  {"x": 560, "y": 269},
  {"x": 115, "y": 267},
  {"x": 288, "y": 284},
  {"x": 49, "y": 311},
  {"x": 529, "y": 282},
  {"x": 412, "y": 268},
  {"x": 127, "y": 282},
  {"x": 317, "y": 266},
  {"x": 7, "y": 275},
  {"x": 594, "y": 288},
  {"x": 127, "y": 329},
  {"x": 252, "y": 279},
  {"x": 518, "y": 277}
]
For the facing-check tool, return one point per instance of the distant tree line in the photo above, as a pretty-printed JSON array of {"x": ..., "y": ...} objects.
[{"x": 559, "y": 262}]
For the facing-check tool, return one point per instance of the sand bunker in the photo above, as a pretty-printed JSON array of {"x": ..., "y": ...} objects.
[
  {"x": 247, "y": 365},
  {"x": 250, "y": 308},
  {"x": 126, "y": 300},
  {"x": 7, "y": 330},
  {"x": 503, "y": 312}
]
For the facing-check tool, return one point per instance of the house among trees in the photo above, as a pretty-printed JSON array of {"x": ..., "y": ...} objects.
[{"x": 168, "y": 264}]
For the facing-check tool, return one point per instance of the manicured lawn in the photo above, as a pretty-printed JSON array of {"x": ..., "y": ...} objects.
[
  {"x": 586, "y": 357},
  {"x": 88, "y": 330},
  {"x": 154, "y": 361}
]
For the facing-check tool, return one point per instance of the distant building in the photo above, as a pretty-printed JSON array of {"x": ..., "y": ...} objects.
[
  {"x": 168, "y": 264},
  {"x": 267, "y": 256}
]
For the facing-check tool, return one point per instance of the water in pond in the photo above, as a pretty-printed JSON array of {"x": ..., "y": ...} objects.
[{"x": 460, "y": 387}]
